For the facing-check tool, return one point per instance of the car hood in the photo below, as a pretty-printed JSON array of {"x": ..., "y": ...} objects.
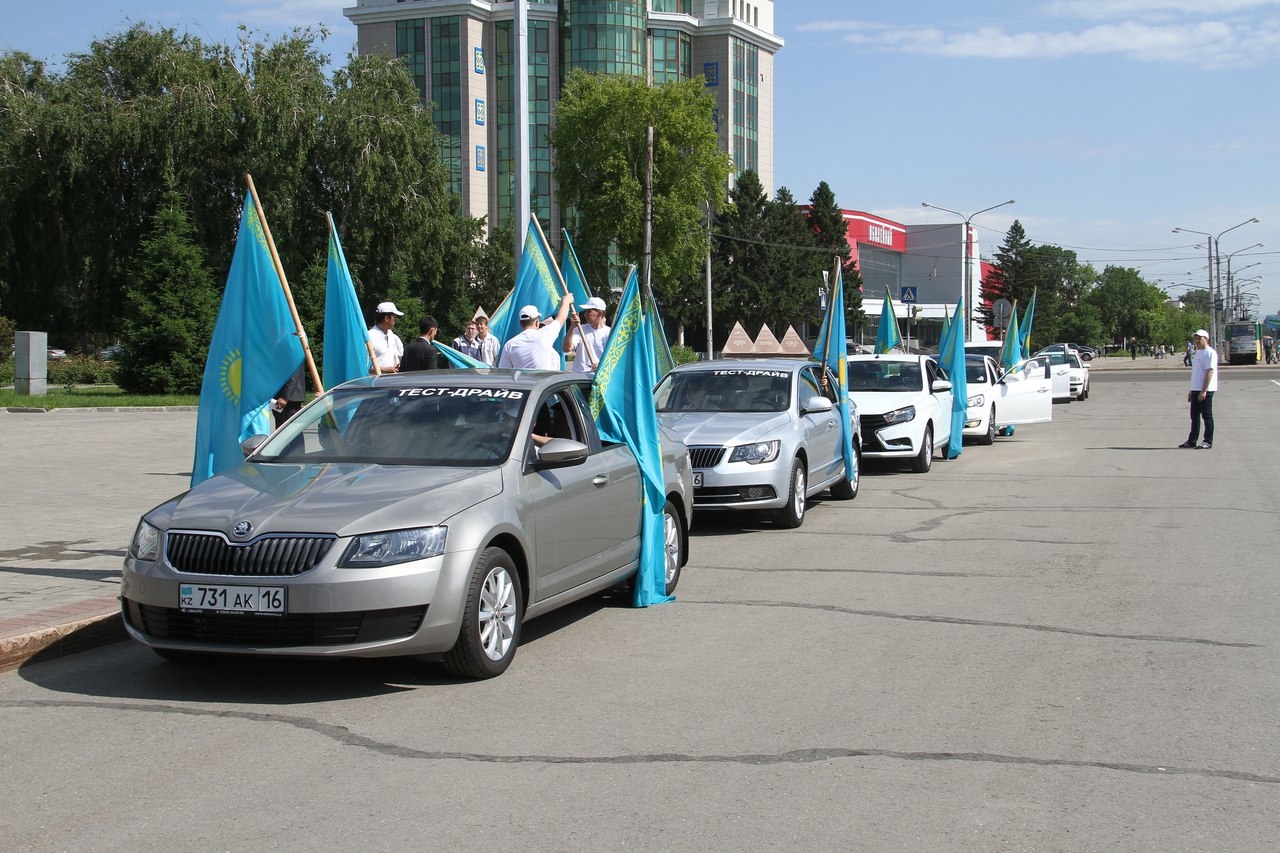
[
  {"x": 329, "y": 498},
  {"x": 879, "y": 402},
  {"x": 716, "y": 428}
]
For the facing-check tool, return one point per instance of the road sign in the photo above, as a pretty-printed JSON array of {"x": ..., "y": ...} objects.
[
  {"x": 1000, "y": 310},
  {"x": 908, "y": 294}
]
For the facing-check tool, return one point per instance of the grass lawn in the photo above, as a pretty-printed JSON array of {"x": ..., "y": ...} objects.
[{"x": 91, "y": 396}]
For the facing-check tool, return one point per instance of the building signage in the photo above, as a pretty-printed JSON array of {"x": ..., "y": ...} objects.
[
  {"x": 480, "y": 111},
  {"x": 880, "y": 234},
  {"x": 479, "y": 158},
  {"x": 711, "y": 70},
  {"x": 479, "y": 60}
]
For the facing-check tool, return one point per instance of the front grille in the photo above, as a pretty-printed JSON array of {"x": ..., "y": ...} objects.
[
  {"x": 871, "y": 423},
  {"x": 705, "y": 457},
  {"x": 259, "y": 631},
  {"x": 267, "y": 556}
]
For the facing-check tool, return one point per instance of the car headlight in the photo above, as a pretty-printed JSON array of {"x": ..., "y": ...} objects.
[
  {"x": 393, "y": 546},
  {"x": 900, "y": 416},
  {"x": 761, "y": 451},
  {"x": 146, "y": 542},
  {"x": 976, "y": 401}
]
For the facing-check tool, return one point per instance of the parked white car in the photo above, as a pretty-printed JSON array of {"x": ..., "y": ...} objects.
[
  {"x": 1023, "y": 395},
  {"x": 904, "y": 406},
  {"x": 1060, "y": 371}
]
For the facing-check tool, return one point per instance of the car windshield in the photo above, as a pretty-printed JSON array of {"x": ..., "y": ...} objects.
[
  {"x": 427, "y": 425},
  {"x": 885, "y": 376},
  {"x": 725, "y": 390},
  {"x": 1055, "y": 356}
]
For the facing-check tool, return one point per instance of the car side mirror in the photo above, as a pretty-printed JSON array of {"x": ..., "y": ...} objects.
[
  {"x": 941, "y": 385},
  {"x": 559, "y": 453},
  {"x": 816, "y": 404},
  {"x": 251, "y": 444}
]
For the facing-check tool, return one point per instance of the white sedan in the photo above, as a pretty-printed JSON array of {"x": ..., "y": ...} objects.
[
  {"x": 904, "y": 406},
  {"x": 1019, "y": 396}
]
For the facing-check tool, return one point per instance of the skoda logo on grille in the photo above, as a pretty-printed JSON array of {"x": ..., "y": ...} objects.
[{"x": 242, "y": 529}]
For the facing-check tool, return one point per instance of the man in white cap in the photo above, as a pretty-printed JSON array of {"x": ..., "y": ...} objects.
[
  {"x": 489, "y": 345},
  {"x": 587, "y": 336},
  {"x": 535, "y": 346},
  {"x": 1204, "y": 382},
  {"x": 388, "y": 349}
]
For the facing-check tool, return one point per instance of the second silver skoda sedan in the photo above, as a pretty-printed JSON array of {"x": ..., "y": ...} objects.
[{"x": 762, "y": 433}]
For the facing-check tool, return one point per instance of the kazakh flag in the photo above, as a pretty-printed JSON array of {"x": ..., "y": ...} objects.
[
  {"x": 457, "y": 359},
  {"x": 1011, "y": 351},
  {"x": 255, "y": 348},
  {"x": 830, "y": 349},
  {"x": 887, "y": 336},
  {"x": 346, "y": 348},
  {"x": 574, "y": 278},
  {"x": 623, "y": 408},
  {"x": 1024, "y": 331},
  {"x": 951, "y": 356},
  {"x": 537, "y": 284}
]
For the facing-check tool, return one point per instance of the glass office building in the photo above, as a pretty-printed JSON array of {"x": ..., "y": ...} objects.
[{"x": 459, "y": 53}]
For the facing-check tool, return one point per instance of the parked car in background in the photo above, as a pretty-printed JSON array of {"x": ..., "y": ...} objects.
[
  {"x": 1060, "y": 367},
  {"x": 763, "y": 434},
  {"x": 1021, "y": 396},
  {"x": 404, "y": 514},
  {"x": 56, "y": 354},
  {"x": 904, "y": 405},
  {"x": 1079, "y": 376},
  {"x": 987, "y": 348}
]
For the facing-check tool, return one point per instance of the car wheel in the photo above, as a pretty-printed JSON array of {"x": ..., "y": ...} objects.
[
  {"x": 847, "y": 490},
  {"x": 924, "y": 459},
  {"x": 490, "y": 619},
  {"x": 989, "y": 437},
  {"x": 792, "y": 515},
  {"x": 672, "y": 545}
]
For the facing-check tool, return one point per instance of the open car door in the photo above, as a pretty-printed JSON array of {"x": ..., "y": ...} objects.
[{"x": 1024, "y": 393}]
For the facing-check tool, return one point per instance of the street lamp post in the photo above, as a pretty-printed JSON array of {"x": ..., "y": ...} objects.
[
  {"x": 968, "y": 259},
  {"x": 1230, "y": 298},
  {"x": 1215, "y": 268}
]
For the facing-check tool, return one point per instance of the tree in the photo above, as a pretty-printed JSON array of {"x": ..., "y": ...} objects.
[
  {"x": 171, "y": 305},
  {"x": 1011, "y": 278},
  {"x": 829, "y": 232},
  {"x": 1126, "y": 304},
  {"x": 599, "y": 141}
]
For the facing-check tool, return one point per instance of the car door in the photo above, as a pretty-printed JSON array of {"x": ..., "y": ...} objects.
[
  {"x": 1024, "y": 394},
  {"x": 821, "y": 429},
  {"x": 939, "y": 402}
]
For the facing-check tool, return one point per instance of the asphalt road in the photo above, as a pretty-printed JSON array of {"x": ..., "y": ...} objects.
[{"x": 1066, "y": 641}]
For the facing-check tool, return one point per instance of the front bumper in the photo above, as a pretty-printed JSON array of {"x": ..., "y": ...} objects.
[
  {"x": 890, "y": 442},
  {"x": 741, "y": 485}
]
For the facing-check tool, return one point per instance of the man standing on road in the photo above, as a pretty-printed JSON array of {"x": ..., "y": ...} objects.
[
  {"x": 1204, "y": 382},
  {"x": 587, "y": 337},
  {"x": 535, "y": 346},
  {"x": 388, "y": 349},
  {"x": 421, "y": 353},
  {"x": 489, "y": 345},
  {"x": 467, "y": 343}
]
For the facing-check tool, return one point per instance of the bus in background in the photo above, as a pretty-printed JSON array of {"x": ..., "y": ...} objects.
[{"x": 1244, "y": 342}]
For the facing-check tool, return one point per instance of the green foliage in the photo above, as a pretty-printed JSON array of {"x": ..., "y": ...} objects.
[
  {"x": 171, "y": 305},
  {"x": 80, "y": 370},
  {"x": 600, "y": 148},
  {"x": 681, "y": 354},
  {"x": 76, "y": 398}
]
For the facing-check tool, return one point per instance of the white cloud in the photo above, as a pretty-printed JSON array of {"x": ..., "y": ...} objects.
[
  {"x": 1112, "y": 9},
  {"x": 288, "y": 13}
]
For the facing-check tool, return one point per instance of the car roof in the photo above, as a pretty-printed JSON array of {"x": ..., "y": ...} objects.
[
  {"x": 891, "y": 356},
  {"x": 786, "y": 364}
]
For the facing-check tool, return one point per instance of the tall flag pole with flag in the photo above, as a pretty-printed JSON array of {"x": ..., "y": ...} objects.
[
  {"x": 1024, "y": 331},
  {"x": 348, "y": 351},
  {"x": 254, "y": 350},
  {"x": 830, "y": 349},
  {"x": 624, "y": 412},
  {"x": 887, "y": 335},
  {"x": 951, "y": 355},
  {"x": 1011, "y": 352},
  {"x": 538, "y": 283}
]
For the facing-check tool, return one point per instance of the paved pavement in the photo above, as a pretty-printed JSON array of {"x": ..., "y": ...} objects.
[{"x": 76, "y": 481}]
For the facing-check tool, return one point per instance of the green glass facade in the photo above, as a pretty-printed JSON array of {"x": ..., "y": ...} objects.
[
  {"x": 446, "y": 94},
  {"x": 746, "y": 106},
  {"x": 605, "y": 36},
  {"x": 411, "y": 48},
  {"x": 672, "y": 60},
  {"x": 540, "y": 103},
  {"x": 682, "y": 6}
]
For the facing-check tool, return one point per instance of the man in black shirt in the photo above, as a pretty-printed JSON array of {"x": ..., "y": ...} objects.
[{"x": 421, "y": 353}]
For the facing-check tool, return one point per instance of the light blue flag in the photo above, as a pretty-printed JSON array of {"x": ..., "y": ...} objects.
[
  {"x": 255, "y": 348},
  {"x": 624, "y": 411},
  {"x": 1024, "y": 331},
  {"x": 346, "y": 349},
  {"x": 830, "y": 349},
  {"x": 457, "y": 359},
  {"x": 1011, "y": 351},
  {"x": 887, "y": 336},
  {"x": 574, "y": 278},
  {"x": 951, "y": 356},
  {"x": 537, "y": 284},
  {"x": 662, "y": 358}
]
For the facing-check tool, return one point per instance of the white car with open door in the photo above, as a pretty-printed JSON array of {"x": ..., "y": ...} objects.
[
  {"x": 1020, "y": 396},
  {"x": 904, "y": 406}
]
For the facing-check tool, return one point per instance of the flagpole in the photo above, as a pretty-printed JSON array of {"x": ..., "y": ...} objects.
[
  {"x": 284, "y": 283},
  {"x": 559, "y": 276},
  {"x": 373, "y": 357}
]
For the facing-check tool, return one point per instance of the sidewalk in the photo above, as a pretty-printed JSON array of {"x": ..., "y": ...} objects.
[{"x": 76, "y": 481}]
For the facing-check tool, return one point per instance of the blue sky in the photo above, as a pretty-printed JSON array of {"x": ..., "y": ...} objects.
[{"x": 1110, "y": 121}]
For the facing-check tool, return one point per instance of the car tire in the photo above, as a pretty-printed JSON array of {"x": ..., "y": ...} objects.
[
  {"x": 491, "y": 619},
  {"x": 923, "y": 460},
  {"x": 847, "y": 490},
  {"x": 672, "y": 545},
  {"x": 791, "y": 516},
  {"x": 989, "y": 437}
]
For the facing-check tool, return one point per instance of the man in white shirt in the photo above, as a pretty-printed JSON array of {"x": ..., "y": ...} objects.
[
  {"x": 535, "y": 347},
  {"x": 388, "y": 349},
  {"x": 1204, "y": 382},
  {"x": 489, "y": 345},
  {"x": 587, "y": 336}
]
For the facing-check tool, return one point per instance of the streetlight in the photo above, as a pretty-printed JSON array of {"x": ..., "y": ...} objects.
[
  {"x": 968, "y": 259},
  {"x": 1214, "y": 293},
  {"x": 1229, "y": 256}
]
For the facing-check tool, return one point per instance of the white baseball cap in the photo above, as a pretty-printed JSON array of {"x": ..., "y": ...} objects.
[
  {"x": 530, "y": 312},
  {"x": 594, "y": 302},
  {"x": 1201, "y": 333},
  {"x": 388, "y": 308}
]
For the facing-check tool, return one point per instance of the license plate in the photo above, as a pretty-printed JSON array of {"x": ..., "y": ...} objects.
[
  {"x": 697, "y": 479},
  {"x": 208, "y": 598}
]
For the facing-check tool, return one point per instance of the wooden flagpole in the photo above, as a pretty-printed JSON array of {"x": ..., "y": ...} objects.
[
  {"x": 373, "y": 358},
  {"x": 284, "y": 283}
]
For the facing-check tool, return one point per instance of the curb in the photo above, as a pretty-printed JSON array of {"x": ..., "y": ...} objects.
[
  {"x": 54, "y": 641},
  {"x": 37, "y": 410}
]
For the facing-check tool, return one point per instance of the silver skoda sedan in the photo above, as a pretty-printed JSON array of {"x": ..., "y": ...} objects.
[
  {"x": 419, "y": 513},
  {"x": 763, "y": 434}
]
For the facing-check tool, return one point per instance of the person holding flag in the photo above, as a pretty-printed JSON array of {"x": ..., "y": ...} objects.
[
  {"x": 535, "y": 347},
  {"x": 587, "y": 336}
]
